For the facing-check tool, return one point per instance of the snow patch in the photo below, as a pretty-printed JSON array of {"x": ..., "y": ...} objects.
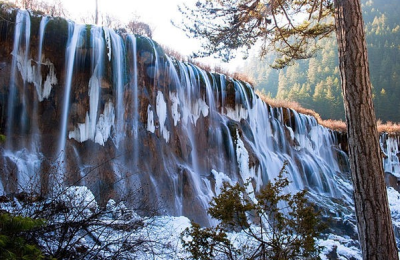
[
  {"x": 343, "y": 247},
  {"x": 394, "y": 204},
  {"x": 162, "y": 234},
  {"x": 121, "y": 212},
  {"x": 79, "y": 199}
]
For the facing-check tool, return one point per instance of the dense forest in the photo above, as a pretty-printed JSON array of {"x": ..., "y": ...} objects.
[{"x": 315, "y": 83}]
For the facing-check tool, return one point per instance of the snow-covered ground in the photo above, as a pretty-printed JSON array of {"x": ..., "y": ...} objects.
[{"x": 119, "y": 232}]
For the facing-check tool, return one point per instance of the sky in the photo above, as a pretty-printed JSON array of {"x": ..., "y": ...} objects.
[{"x": 157, "y": 13}]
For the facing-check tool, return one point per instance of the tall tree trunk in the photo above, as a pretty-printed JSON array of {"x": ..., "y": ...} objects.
[
  {"x": 372, "y": 208},
  {"x": 96, "y": 17}
]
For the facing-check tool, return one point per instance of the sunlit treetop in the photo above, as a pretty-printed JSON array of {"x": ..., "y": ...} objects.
[{"x": 290, "y": 27}]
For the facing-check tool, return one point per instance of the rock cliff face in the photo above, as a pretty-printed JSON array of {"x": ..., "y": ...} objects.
[{"x": 85, "y": 105}]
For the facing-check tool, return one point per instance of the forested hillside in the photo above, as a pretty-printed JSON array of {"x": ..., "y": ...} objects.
[{"x": 315, "y": 83}]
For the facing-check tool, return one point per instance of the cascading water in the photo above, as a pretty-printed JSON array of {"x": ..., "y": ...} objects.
[
  {"x": 38, "y": 82},
  {"x": 43, "y": 90},
  {"x": 125, "y": 116},
  {"x": 116, "y": 47},
  {"x": 133, "y": 109},
  {"x": 87, "y": 130},
  {"x": 74, "y": 31},
  {"x": 18, "y": 149},
  {"x": 20, "y": 54},
  {"x": 390, "y": 148}
]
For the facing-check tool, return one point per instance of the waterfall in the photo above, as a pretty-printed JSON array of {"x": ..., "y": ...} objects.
[
  {"x": 38, "y": 82},
  {"x": 74, "y": 34},
  {"x": 134, "y": 104},
  {"x": 390, "y": 148},
  {"x": 43, "y": 90},
  {"x": 125, "y": 116},
  {"x": 115, "y": 46},
  {"x": 20, "y": 149},
  {"x": 17, "y": 95},
  {"x": 87, "y": 130}
]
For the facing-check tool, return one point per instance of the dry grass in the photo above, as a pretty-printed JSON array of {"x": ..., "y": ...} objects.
[
  {"x": 288, "y": 104},
  {"x": 337, "y": 125},
  {"x": 203, "y": 66},
  {"x": 207, "y": 67},
  {"x": 388, "y": 127},
  {"x": 173, "y": 53},
  {"x": 243, "y": 77}
]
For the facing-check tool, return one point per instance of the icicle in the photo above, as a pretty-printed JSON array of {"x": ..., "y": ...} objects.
[
  {"x": 150, "y": 120},
  {"x": 161, "y": 109}
]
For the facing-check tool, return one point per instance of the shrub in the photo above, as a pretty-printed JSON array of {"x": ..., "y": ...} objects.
[
  {"x": 13, "y": 230},
  {"x": 276, "y": 225}
]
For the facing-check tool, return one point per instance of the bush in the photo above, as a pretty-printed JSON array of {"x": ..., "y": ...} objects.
[
  {"x": 13, "y": 245},
  {"x": 274, "y": 225}
]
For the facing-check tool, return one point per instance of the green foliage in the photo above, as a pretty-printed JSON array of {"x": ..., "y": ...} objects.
[
  {"x": 315, "y": 83},
  {"x": 228, "y": 207},
  {"x": 207, "y": 243},
  {"x": 2, "y": 138},
  {"x": 278, "y": 225},
  {"x": 226, "y": 26},
  {"x": 13, "y": 245}
]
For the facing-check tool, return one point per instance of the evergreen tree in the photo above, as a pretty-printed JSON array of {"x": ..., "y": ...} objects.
[
  {"x": 277, "y": 225},
  {"x": 383, "y": 38},
  {"x": 13, "y": 230}
]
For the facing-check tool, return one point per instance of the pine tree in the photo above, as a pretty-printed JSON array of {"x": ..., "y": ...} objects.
[
  {"x": 13, "y": 230},
  {"x": 277, "y": 225}
]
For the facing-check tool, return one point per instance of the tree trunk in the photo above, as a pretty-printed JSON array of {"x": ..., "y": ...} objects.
[
  {"x": 96, "y": 16},
  {"x": 370, "y": 197}
]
